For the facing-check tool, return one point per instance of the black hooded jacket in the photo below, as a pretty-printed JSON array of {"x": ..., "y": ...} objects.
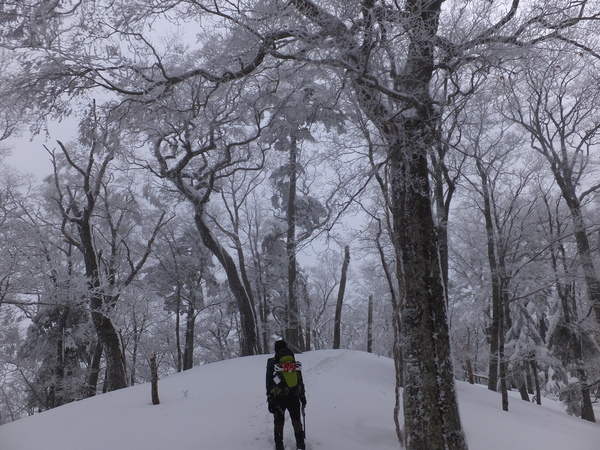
[{"x": 271, "y": 368}]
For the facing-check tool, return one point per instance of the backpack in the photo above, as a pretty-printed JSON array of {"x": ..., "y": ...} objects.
[{"x": 285, "y": 375}]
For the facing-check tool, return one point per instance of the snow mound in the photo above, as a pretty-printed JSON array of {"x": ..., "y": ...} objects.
[{"x": 221, "y": 406}]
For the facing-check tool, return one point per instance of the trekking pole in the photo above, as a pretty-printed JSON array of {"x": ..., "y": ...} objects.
[{"x": 304, "y": 420}]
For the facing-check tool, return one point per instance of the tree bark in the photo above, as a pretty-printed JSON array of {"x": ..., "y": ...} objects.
[
  {"x": 116, "y": 377},
  {"x": 154, "y": 380},
  {"x": 399, "y": 372},
  {"x": 61, "y": 360},
  {"x": 178, "y": 331},
  {"x": 94, "y": 371},
  {"x": 190, "y": 325},
  {"x": 492, "y": 255},
  {"x": 431, "y": 414},
  {"x": 337, "y": 323},
  {"x": 569, "y": 329},
  {"x": 574, "y": 345},
  {"x": 370, "y": 325},
  {"x": 134, "y": 353},
  {"x": 554, "y": 121},
  {"x": 292, "y": 331},
  {"x": 502, "y": 362},
  {"x": 100, "y": 284},
  {"x": 260, "y": 345},
  {"x": 260, "y": 320},
  {"x": 307, "y": 327},
  {"x": 430, "y": 403},
  {"x": 248, "y": 335},
  {"x": 523, "y": 391},
  {"x": 536, "y": 379},
  {"x": 583, "y": 248},
  {"x": 442, "y": 202}
]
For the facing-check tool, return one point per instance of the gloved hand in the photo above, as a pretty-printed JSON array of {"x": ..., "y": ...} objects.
[
  {"x": 303, "y": 401},
  {"x": 271, "y": 404}
]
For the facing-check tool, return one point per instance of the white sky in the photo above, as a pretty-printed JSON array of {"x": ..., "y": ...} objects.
[{"x": 27, "y": 152}]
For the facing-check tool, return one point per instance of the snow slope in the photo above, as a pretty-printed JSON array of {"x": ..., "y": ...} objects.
[{"x": 350, "y": 402}]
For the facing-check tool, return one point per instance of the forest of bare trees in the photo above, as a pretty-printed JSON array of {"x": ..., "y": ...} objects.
[{"x": 226, "y": 158}]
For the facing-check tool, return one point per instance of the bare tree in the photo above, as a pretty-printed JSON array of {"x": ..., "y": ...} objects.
[
  {"x": 182, "y": 276},
  {"x": 386, "y": 56},
  {"x": 82, "y": 203},
  {"x": 561, "y": 115},
  {"x": 196, "y": 170},
  {"x": 337, "y": 325},
  {"x": 567, "y": 339}
]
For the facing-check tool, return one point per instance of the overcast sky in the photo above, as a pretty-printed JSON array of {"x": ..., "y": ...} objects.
[
  {"x": 29, "y": 157},
  {"x": 27, "y": 152}
]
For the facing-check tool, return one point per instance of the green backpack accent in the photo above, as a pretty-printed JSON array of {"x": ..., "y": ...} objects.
[
  {"x": 285, "y": 376},
  {"x": 288, "y": 369}
]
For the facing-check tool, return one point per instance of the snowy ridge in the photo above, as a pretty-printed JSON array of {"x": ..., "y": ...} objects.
[{"x": 222, "y": 406}]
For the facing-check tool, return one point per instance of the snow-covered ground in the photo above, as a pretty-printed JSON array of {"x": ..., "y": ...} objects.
[{"x": 222, "y": 406}]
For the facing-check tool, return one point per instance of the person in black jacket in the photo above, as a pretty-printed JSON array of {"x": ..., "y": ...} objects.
[{"x": 280, "y": 400}]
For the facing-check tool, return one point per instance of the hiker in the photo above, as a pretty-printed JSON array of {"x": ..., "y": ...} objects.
[{"x": 285, "y": 390}]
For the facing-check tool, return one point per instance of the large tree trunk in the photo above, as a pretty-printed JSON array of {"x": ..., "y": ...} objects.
[
  {"x": 134, "y": 353},
  {"x": 261, "y": 345},
  {"x": 568, "y": 330},
  {"x": 292, "y": 331},
  {"x": 79, "y": 211},
  {"x": 154, "y": 380},
  {"x": 307, "y": 327},
  {"x": 536, "y": 380},
  {"x": 248, "y": 335},
  {"x": 583, "y": 249},
  {"x": 593, "y": 289},
  {"x": 260, "y": 319},
  {"x": 502, "y": 356},
  {"x": 573, "y": 331},
  {"x": 442, "y": 199},
  {"x": 116, "y": 377},
  {"x": 190, "y": 325},
  {"x": 370, "y": 325},
  {"x": 337, "y": 323},
  {"x": 94, "y": 371},
  {"x": 396, "y": 322},
  {"x": 431, "y": 414},
  {"x": 263, "y": 305},
  {"x": 496, "y": 316},
  {"x": 178, "y": 331},
  {"x": 56, "y": 398}
]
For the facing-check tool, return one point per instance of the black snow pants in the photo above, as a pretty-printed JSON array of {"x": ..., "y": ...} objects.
[{"x": 291, "y": 403}]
